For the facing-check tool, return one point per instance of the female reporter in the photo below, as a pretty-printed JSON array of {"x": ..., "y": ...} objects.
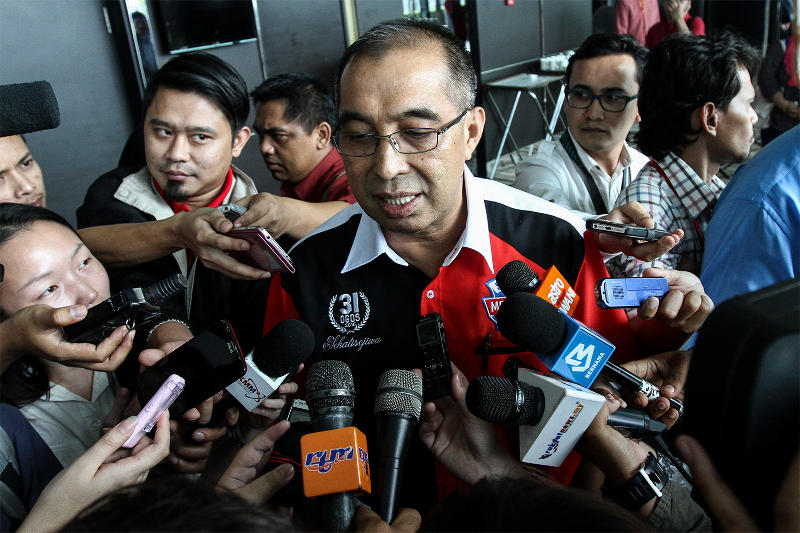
[{"x": 47, "y": 263}]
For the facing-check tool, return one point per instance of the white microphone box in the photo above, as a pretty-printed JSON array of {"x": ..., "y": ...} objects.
[
  {"x": 568, "y": 410},
  {"x": 255, "y": 386}
]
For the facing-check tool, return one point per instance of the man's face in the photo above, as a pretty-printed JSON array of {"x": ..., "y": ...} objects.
[
  {"x": 735, "y": 124},
  {"x": 599, "y": 131},
  {"x": 20, "y": 176},
  {"x": 189, "y": 146},
  {"x": 289, "y": 152},
  {"x": 417, "y": 194}
]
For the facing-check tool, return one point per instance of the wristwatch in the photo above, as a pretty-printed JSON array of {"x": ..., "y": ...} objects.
[{"x": 647, "y": 483}]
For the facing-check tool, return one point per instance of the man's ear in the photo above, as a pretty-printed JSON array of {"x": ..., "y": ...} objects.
[
  {"x": 240, "y": 139},
  {"x": 474, "y": 121},
  {"x": 709, "y": 117},
  {"x": 322, "y": 134}
]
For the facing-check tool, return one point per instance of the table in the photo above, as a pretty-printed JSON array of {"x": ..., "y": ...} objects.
[{"x": 525, "y": 83}]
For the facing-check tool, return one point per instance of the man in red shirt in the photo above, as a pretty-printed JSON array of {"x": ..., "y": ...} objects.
[
  {"x": 676, "y": 20},
  {"x": 295, "y": 119}
]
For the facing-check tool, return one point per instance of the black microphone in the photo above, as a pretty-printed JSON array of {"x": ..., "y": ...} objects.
[
  {"x": 566, "y": 346},
  {"x": 331, "y": 394},
  {"x": 516, "y": 403},
  {"x": 398, "y": 404},
  {"x": 274, "y": 359},
  {"x": 27, "y": 107},
  {"x": 516, "y": 276}
]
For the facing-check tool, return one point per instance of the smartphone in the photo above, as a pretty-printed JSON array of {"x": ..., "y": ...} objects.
[
  {"x": 296, "y": 412},
  {"x": 436, "y": 371},
  {"x": 209, "y": 362},
  {"x": 264, "y": 253},
  {"x": 160, "y": 402},
  {"x": 628, "y": 230},
  {"x": 613, "y": 293},
  {"x": 232, "y": 211}
]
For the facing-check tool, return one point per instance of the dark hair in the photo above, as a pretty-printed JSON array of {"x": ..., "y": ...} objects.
[
  {"x": 307, "y": 100},
  {"x": 411, "y": 33},
  {"x": 25, "y": 380},
  {"x": 510, "y": 504},
  {"x": 609, "y": 44},
  {"x": 683, "y": 73},
  {"x": 206, "y": 75},
  {"x": 176, "y": 503}
]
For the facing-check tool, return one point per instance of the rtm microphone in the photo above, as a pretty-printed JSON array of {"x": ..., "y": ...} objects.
[
  {"x": 273, "y": 360},
  {"x": 335, "y": 457},
  {"x": 516, "y": 276},
  {"x": 566, "y": 346},
  {"x": 28, "y": 107},
  {"x": 398, "y": 404}
]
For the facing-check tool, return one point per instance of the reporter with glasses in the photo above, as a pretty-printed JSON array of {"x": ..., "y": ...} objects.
[{"x": 587, "y": 167}]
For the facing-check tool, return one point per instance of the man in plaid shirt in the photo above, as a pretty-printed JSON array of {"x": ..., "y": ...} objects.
[{"x": 697, "y": 119}]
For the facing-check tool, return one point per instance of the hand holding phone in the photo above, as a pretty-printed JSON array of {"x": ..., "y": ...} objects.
[
  {"x": 626, "y": 230},
  {"x": 614, "y": 293},
  {"x": 265, "y": 253},
  {"x": 160, "y": 402}
]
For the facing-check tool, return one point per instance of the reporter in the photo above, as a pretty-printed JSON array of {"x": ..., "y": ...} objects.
[
  {"x": 102, "y": 469},
  {"x": 47, "y": 263}
]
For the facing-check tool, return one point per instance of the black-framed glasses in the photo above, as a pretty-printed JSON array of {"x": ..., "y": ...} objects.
[
  {"x": 410, "y": 141},
  {"x": 613, "y": 102}
]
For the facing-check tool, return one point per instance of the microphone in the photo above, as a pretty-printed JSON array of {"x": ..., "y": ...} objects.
[
  {"x": 335, "y": 457},
  {"x": 552, "y": 413},
  {"x": 28, "y": 107},
  {"x": 273, "y": 360},
  {"x": 566, "y": 346},
  {"x": 398, "y": 404},
  {"x": 516, "y": 276}
]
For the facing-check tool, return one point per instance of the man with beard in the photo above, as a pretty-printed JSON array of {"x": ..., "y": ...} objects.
[{"x": 703, "y": 117}]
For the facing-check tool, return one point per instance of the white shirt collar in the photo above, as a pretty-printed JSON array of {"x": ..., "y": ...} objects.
[
  {"x": 59, "y": 393},
  {"x": 369, "y": 241}
]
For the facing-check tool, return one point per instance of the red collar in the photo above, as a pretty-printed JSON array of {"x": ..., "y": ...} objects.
[
  {"x": 312, "y": 186},
  {"x": 178, "y": 207}
]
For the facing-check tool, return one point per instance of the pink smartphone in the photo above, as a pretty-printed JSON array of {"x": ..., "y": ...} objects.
[
  {"x": 264, "y": 253},
  {"x": 160, "y": 402}
]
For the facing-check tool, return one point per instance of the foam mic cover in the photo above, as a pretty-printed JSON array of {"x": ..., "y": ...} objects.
[
  {"x": 532, "y": 323},
  {"x": 287, "y": 345},
  {"x": 516, "y": 276},
  {"x": 505, "y": 401},
  {"x": 398, "y": 404},
  {"x": 27, "y": 107}
]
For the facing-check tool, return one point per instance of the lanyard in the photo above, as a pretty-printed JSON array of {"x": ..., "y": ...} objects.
[
  {"x": 594, "y": 193},
  {"x": 695, "y": 222}
]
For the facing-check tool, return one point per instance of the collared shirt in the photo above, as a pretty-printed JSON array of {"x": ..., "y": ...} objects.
[
  {"x": 68, "y": 423},
  {"x": 664, "y": 28},
  {"x": 325, "y": 183},
  {"x": 683, "y": 201},
  {"x": 551, "y": 174},
  {"x": 179, "y": 207}
]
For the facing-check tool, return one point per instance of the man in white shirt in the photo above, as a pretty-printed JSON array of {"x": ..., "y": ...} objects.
[{"x": 590, "y": 164}]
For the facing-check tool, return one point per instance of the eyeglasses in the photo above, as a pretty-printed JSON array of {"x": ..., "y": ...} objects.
[
  {"x": 613, "y": 102},
  {"x": 410, "y": 141}
]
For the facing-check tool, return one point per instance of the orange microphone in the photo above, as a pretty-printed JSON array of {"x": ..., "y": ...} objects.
[
  {"x": 517, "y": 276},
  {"x": 335, "y": 459}
]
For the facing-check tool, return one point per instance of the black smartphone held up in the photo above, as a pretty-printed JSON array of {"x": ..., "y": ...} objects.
[
  {"x": 209, "y": 362},
  {"x": 264, "y": 253},
  {"x": 436, "y": 371},
  {"x": 627, "y": 230}
]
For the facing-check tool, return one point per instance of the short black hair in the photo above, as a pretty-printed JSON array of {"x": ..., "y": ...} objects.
[
  {"x": 206, "y": 75},
  {"x": 683, "y": 73},
  {"x": 307, "y": 99},
  {"x": 410, "y": 33},
  {"x": 609, "y": 44}
]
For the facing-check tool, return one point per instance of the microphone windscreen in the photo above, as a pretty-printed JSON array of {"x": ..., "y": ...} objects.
[
  {"x": 27, "y": 107},
  {"x": 286, "y": 345},
  {"x": 505, "y": 401},
  {"x": 399, "y": 391},
  {"x": 334, "y": 376},
  {"x": 531, "y": 323},
  {"x": 516, "y": 276}
]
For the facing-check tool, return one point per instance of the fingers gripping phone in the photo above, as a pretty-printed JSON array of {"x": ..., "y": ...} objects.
[
  {"x": 264, "y": 253},
  {"x": 626, "y": 230},
  {"x": 160, "y": 402},
  {"x": 209, "y": 362},
  {"x": 612, "y": 293}
]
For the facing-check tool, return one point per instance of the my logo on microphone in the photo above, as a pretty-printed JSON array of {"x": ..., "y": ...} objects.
[
  {"x": 251, "y": 389},
  {"x": 323, "y": 460},
  {"x": 580, "y": 358},
  {"x": 492, "y": 303}
]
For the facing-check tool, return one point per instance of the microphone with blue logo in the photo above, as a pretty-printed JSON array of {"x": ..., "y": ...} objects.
[
  {"x": 566, "y": 346},
  {"x": 334, "y": 458}
]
